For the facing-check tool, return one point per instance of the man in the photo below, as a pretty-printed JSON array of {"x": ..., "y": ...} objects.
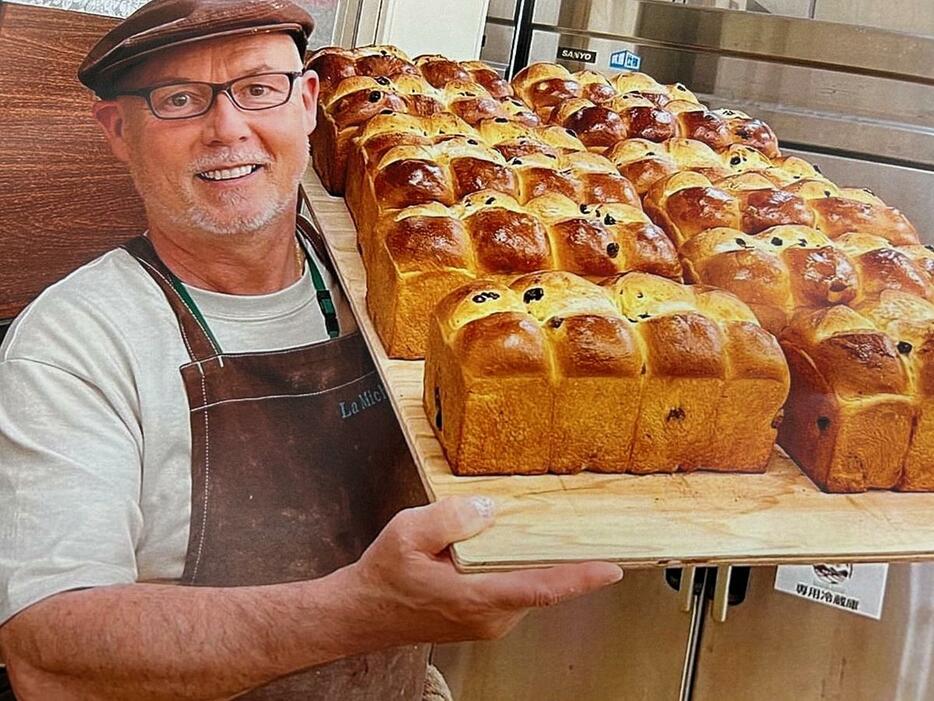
[{"x": 167, "y": 416}]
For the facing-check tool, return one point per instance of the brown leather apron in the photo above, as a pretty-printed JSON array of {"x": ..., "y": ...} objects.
[{"x": 297, "y": 462}]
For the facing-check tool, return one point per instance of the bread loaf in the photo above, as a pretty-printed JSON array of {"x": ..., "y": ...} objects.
[
  {"x": 453, "y": 167},
  {"x": 333, "y": 64},
  {"x": 554, "y": 374},
  {"x": 909, "y": 321},
  {"x": 686, "y": 203},
  {"x": 343, "y": 112},
  {"x": 643, "y": 85},
  {"x": 471, "y": 190},
  {"x": 635, "y": 106},
  {"x": 419, "y": 254},
  {"x": 440, "y": 71},
  {"x": 385, "y": 132},
  {"x": 544, "y": 86},
  {"x": 850, "y": 414},
  {"x": 776, "y": 272},
  {"x": 349, "y": 106},
  {"x": 515, "y": 140}
]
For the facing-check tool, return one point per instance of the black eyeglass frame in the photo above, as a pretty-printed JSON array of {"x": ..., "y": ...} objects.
[{"x": 216, "y": 89}]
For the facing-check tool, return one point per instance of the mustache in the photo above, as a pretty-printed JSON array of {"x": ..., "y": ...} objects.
[{"x": 228, "y": 158}]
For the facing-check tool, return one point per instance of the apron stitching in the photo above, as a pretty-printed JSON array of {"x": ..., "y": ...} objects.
[
  {"x": 181, "y": 327},
  {"x": 278, "y": 396},
  {"x": 207, "y": 478},
  {"x": 283, "y": 351}
]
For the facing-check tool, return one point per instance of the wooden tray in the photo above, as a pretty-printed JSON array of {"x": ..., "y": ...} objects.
[{"x": 637, "y": 521}]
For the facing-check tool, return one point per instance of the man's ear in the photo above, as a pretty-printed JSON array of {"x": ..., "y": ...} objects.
[
  {"x": 309, "y": 83},
  {"x": 109, "y": 115}
]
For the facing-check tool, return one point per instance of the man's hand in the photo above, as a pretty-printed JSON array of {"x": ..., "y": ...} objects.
[
  {"x": 413, "y": 593},
  {"x": 155, "y": 642}
]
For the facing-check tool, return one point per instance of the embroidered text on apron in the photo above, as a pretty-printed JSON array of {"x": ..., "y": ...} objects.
[{"x": 297, "y": 463}]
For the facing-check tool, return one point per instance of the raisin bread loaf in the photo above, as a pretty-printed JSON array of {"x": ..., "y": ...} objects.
[
  {"x": 421, "y": 253},
  {"x": 686, "y": 203},
  {"x": 551, "y": 373},
  {"x": 851, "y": 411},
  {"x": 909, "y": 321}
]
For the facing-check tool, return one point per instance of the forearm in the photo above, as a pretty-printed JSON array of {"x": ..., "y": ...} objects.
[{"x": 153, "y": 641}]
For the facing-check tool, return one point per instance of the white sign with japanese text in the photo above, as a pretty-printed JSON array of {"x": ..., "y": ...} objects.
[{"x": 857, "y": 588}]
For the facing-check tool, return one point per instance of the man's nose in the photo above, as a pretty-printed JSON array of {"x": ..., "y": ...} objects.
[{"x": 225, "y": 123}]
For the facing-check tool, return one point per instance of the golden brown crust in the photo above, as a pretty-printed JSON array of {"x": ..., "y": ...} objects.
[
  {"x": 704, "y": 126},
  {"x": 508, "y": 242},
  {"x": 648, "y": 350},
  {"x": 855, "y": 358},
  {"x": 412, "y": 181},
  {"x": 770, "y": 229},
  {"x": 849, "y": 417},
  {"x": 334, "y": 64},
  {"x": 543, "y": 86},
  {"x": 424, "y": 243},
  {"x": 836, "y": 216},
  {"x": 503, "y": 344}
]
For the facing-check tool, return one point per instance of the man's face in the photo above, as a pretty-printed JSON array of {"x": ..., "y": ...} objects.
[{"x": 228, "y": 171}]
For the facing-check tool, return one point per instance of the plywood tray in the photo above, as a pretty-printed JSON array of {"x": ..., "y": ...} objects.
[{"x": 637, "y": 521}]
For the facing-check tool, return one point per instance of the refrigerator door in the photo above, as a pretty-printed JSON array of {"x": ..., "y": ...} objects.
[
  {"x": 626, "y": 642},
  {"x": 778, "y": 647},
  {"x": 499, "y": 34}
]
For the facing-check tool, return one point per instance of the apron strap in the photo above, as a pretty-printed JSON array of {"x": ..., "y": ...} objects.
[{"x": 198, "y": 339}]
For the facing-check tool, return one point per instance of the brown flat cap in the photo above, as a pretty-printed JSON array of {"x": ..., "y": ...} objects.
[{"x": 161, "y": 24}]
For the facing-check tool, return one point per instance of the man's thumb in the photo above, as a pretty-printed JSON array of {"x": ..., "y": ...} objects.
[{"x": 451, "y": 520}]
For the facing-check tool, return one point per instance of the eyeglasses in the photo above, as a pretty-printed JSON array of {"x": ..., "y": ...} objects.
[{"x": 262, "y": 91}]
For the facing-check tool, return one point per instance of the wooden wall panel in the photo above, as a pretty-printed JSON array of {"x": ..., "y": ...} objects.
[{"x": 64, "y": 199}]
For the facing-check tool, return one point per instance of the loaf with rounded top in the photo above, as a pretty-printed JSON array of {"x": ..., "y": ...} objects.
[
  {"x": 382, "y": 134},
  {"x": 686, "y": 203},
  {"x": 784, "y": 269},
  {"x": 544, "y": 86},
  {"x": 600, "y": 125},
  {"x": 850, "y": 414},
  {"x": 417, "y": 255},
  {"x": 645, "y": 163},
  {"x": 595, "y": 86},
  {"x": 439, "y": 71},
  {"x": 644, "y": 85},
  {"x": 551, "y": 373},
  {"x": 347, "y": 108},
  {"x": 909, "y": 321},
  {"x": 776, "y": 272},
  {"x": 451, "y": 168},
  {"x": 333, "y": 64},
  {"x": 515, "y": 140}
]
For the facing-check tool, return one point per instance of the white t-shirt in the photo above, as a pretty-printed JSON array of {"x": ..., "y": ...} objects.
[{"x": 95, "y": 444}]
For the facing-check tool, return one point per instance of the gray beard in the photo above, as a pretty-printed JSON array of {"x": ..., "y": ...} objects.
[{"x": 191, "y": 217}]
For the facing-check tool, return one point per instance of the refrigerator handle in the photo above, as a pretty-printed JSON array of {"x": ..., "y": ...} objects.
[{"x": 522, "y": 39}]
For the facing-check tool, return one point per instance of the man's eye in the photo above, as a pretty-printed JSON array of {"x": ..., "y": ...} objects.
[
  {"x": 258, "y": 90},
  {"x": 178, "y": 100}
]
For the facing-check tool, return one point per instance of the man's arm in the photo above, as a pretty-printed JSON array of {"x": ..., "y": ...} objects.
[{"x": 149, "y": 641}]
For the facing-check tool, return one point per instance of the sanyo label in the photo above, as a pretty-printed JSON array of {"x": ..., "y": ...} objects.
[
  {"x": 858, "y": 589},
  {"x": 569, "y": 54},
  {"x": 626, "y": 60}
]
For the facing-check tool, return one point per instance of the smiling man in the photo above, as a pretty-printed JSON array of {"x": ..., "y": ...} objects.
[{"x": 185, "y": 511}]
